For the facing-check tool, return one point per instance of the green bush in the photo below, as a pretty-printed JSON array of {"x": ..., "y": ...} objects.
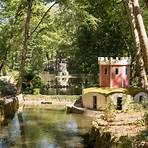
[
  {"x": 36, "y": 91},
  {"x": 32, "y": 82},
  {"x": 135, "y": 106},
  {"x": 109, "y": 113},
  {"x": 125, "y": 142},
  {"x": 146, "y": 120}
]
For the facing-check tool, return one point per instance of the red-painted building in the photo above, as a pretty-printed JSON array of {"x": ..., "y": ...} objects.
[{"x": 114, "y": 72}]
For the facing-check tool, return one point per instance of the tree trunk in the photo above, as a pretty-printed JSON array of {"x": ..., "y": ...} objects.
[
  {"x": 25, "y": 46},
  {"x": 142, "y": 32},
  {"x": 143, "y": 82}
]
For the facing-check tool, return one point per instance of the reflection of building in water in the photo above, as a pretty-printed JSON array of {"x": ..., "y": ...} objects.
[{"x": 63, "y": 80}]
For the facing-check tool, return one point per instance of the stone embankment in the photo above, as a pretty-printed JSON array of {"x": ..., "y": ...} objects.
[
  {"x": 49, "y": 100},
  {"x": 8, "y": 107},
  {"x": 112, "y": 134}
]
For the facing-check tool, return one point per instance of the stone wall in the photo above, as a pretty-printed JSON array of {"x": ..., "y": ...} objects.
[
  {"x": 50, "y": 99},
  {"x": 121, "y": 132},
  {"x": 8, "y": 107}
]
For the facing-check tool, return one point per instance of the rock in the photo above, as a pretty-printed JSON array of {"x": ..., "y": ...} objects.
[{"x": 7, "y": 88}]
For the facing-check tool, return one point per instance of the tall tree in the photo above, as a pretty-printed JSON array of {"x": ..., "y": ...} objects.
[
  {"x": 25, "y": 45},
  {"x": 141, "y": 31},
  {"x": 140, "y": 50}
]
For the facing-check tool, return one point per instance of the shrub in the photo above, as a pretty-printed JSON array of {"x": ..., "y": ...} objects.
[
  {"x": 146, "y": 120},
  {"x": 36, "y": 91},
  {"x": 125, "y": 142},
  {"x": 135, "y": 106},
  {"x": 31, "y": 83},
  {"x": 109, "y": 113}
]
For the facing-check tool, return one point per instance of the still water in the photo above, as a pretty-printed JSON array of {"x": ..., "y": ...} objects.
[{"x": 44, "y": 128}]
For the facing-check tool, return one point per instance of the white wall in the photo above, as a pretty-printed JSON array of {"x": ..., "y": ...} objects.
[
  {"x": 126, "y": 99},
  {"x": 88, "y": 100}
]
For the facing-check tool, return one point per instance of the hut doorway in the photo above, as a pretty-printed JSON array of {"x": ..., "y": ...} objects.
[
  {"x": 94, "y": 102},
  {"x": 119, "y": 103}
]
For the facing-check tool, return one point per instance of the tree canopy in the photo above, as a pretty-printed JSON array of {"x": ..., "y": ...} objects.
[{"x": 78, "y": 30}]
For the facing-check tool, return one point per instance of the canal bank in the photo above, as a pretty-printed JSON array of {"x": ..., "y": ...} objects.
[
  {"x": 49, "y": 101},
  {"x": 8, "y": 107}
]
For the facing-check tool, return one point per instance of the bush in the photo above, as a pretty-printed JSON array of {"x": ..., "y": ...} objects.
[
  {"x": 31, "y": 83},
  {"x": 109, "y": 113},
  {"x": 36, "y": 91},
  {"x": 135, "y": 106},
  {"x": 125, "y": 142},
  {"x": 146, "y": 120}
]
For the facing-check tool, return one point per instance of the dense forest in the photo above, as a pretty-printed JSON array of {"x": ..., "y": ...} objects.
[{"x": 34, "y": 32}]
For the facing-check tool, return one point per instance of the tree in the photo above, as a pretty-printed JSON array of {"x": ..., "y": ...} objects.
[
  {"x": 141, "y": 50},
  {"x": 25, "y": 45},
  {"x": 27, "y": 36}
]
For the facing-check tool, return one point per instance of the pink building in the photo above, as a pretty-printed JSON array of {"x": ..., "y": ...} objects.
[{"x": 114, "y": 72}]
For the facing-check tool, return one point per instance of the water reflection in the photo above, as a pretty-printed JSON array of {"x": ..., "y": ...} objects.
[
  {"x": 65, "y": 84},
  {"x": 42, "y": 128}
]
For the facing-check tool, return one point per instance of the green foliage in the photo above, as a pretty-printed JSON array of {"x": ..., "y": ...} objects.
[
  {"x": 76, "y": 30},
  {"x": 140, "y": 122},
  {"x": 109, "y": 113},
  {"x": 134, "y": 106},
  {"x": 125, "y": 142},
  {"x": 32, "y": 83},
  {"x": 138, "y": 106},
  {"x": 36, "y": 91},
  {"x": 146, "y": 120}
]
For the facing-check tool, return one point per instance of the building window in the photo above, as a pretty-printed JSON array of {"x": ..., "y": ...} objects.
[
  {"x": 126, "y": 71},
  {"x": 116, "y": 71},
  {"x": 105, "y": 71},
  {"x": 140, "y": 98}
]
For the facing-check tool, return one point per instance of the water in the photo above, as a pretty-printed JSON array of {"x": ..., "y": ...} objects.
[
  {"x": 75, "y": 84},
  {"x": 44, "y": 128}
]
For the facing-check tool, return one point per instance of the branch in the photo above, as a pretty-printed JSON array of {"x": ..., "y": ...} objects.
[{"x": 42, "y": 18}]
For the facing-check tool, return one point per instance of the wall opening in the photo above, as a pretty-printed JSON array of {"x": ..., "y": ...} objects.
[
  {"x": 116, "y": 71},
  {"x": 140, "y": 98},
  {"x": 119, "y": 103},
  {"x": 126, "y": 71},
  {"x": 94, "y": 102},
  {"x": 105, "y": 71}
]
